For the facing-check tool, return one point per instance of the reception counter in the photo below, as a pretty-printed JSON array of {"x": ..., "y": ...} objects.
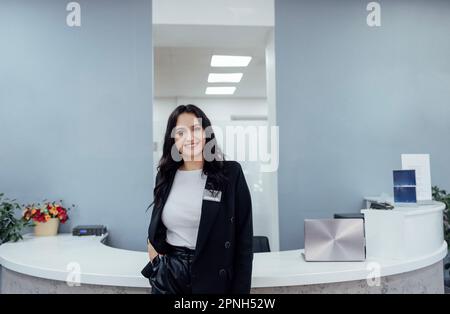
[{"x": 69, "y": 264}]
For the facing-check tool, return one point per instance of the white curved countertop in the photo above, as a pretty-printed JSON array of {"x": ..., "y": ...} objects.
[
  {"x": 50, "y": 257},
  {"x": 397, "y": 241}
]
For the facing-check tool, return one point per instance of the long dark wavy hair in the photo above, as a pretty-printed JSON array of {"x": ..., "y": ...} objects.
[{"x": 167, "y": 166}]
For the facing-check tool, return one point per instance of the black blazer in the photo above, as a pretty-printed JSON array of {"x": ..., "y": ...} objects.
[{"x": 224, "y": 252}]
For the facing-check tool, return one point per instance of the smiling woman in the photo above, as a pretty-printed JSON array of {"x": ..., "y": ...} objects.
[
  {"x": 190, "y": 140},
  {"x": 201, "y": 232}
]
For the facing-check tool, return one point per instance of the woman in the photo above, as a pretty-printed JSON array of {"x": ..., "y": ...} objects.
[{"x": 201, "y": 233}]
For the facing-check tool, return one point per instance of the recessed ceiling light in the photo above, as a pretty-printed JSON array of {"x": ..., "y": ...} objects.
[
  {"x": 230, "y": 61},
  {"x": 220, "y": 90},
  {"x": 224, "y": 77}
]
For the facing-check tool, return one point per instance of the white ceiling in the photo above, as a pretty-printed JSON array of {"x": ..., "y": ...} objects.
[
  {"x": 214, "y": 12},
  {"x": 183, "y": 53}
]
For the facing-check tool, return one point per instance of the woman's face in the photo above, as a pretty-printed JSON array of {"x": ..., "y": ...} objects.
[{"x": 190, "y": 137}]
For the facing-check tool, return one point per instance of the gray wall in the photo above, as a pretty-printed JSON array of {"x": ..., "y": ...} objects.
[
  {"x": 351, "y": 99},
  {"x": 76, "y": 111}
]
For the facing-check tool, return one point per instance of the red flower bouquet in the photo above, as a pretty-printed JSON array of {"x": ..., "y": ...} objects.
[
  {"x": 46, "y": 216},
  {"x": 46, "y": 211}
]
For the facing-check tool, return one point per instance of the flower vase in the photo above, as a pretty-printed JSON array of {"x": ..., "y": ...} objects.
[{"x": 49, "y": 228}]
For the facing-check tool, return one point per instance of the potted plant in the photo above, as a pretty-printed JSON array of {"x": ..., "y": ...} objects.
[
  {"x": 10, "y": 226},
  {"x": 442, "y": 196},
  {"x": 46, "y": 217}
]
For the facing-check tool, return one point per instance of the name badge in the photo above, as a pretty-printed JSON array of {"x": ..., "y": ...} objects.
[{"x": 212, "y": 195}]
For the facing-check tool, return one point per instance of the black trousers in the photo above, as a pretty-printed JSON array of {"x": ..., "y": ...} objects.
[{"x": 172, "y": 272}]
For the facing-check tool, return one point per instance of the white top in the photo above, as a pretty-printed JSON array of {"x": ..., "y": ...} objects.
[
  {"x": 182, "y": 210},
  {"x": 53, "y": 258}
]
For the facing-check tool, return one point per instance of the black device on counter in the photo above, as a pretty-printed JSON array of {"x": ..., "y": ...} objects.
[
  {"x": 85, "y": 230},
  {"x": 381, "y": 205},
  {"x": 349, "y": 216}
]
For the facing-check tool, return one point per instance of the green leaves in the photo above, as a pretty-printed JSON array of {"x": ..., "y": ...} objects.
[
  {"x": 10, "y": 226},
  {"x": 442, "y": 196}
]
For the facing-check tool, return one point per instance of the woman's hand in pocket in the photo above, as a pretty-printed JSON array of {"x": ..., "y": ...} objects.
[{"x": 151, "y": 251}]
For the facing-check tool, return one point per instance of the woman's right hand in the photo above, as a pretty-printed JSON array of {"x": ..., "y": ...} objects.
[{"x": 151, "y": 251}]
